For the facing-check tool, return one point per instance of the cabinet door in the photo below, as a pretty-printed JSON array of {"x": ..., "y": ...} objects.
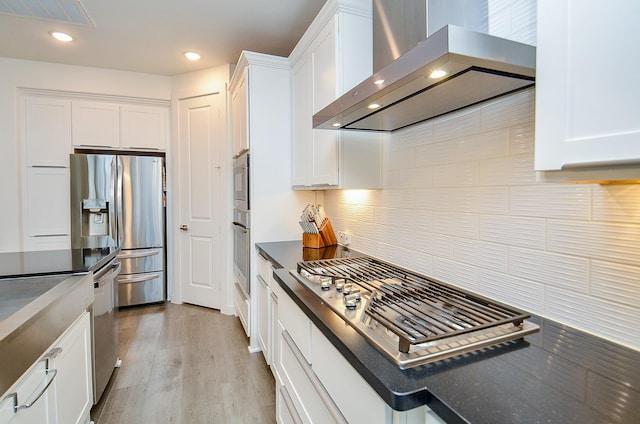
[
  {"x": 262, "y": 293},
  {"x": 587, "y": 103},
  {"x": 95, "y": 124},
  {"x": 42, "y": 410},
  {"x": 324, "y": 150},
  {"x": 302, "y": 94},
  {"x": 48, "y": 202},
  {"x": 47, "y": 131},
  {"x": 74, "y": 385},
  {"x": 144, "y": 127},
  {"x": 240, "y": 115}
]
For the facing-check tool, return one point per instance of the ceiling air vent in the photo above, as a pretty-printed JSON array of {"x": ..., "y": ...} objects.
[{"x": 63, "y": 11}]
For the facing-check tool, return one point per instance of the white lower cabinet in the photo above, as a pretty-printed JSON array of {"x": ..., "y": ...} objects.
[
  {"x": 242, "y": 308},
  {"x": 316, "y": 384},
  {"x": 58, "y": 387},
  {"x": 74, "y": 384}
]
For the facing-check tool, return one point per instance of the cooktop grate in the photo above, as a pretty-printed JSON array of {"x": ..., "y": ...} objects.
[{"x": 416, "y": 309}]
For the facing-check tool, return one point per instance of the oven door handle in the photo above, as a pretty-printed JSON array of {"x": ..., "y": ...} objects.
[
  {"x": 240, "y": 227},
  {"x": 107, "y": 273}
]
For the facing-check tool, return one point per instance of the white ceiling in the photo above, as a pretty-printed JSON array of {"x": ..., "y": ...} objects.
[{"x": 151, "y": 35}]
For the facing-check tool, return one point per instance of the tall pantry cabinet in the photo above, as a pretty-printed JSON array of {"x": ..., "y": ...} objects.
[
  {"x": 259, "y": 92},
  {"x": 47, "y": 144},
  {"x": 333, "y": 55}
]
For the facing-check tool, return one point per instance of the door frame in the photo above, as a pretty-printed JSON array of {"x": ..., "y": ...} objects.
[{"x": 217, "y": 84}]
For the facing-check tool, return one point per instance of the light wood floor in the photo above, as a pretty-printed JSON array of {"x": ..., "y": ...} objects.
[{"x": 186, "y": 364}]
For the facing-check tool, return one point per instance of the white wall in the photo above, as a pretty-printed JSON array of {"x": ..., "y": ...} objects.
[
  {"x": 16, "y": 74},
  {"x": 460, "y": 203}
]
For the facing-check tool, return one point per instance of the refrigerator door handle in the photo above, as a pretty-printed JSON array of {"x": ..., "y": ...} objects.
[
  {"x": 138, "y": 254},
  {"x": 119, "y": 183}
]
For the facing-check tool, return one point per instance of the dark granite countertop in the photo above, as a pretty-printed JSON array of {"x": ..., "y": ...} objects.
[
  {"x": 559, "y": 375},
  {"x": 51, "y": 262}
]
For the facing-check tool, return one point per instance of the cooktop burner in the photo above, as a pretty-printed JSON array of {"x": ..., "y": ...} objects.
[{"x": 412, "y": 319}]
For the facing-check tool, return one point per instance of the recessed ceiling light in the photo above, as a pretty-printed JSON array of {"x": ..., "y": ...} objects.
[
  {"x": 335, "y": 124},
  {"x": 378, "y": 82},
  {"x": 374, "y": 105},
  {"x": 192, "y": 55},
  {"x": 61, "y": 36},
  {"x": 438, "y": 73}
]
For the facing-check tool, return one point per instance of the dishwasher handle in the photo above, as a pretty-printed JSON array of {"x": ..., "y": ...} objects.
[{"x": 106, "y": 274}]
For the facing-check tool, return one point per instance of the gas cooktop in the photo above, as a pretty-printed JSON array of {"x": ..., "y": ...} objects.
[{"x": 412, "y": 319}]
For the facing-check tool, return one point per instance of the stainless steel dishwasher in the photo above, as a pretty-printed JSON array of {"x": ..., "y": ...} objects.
[{"x": 104, "y": 326}]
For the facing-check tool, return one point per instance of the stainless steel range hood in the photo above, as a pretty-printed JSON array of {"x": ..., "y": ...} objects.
[{"x": 478, "y": 67}]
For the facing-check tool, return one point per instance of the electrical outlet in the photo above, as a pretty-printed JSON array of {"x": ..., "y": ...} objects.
[{"x": 344, "y": 238}]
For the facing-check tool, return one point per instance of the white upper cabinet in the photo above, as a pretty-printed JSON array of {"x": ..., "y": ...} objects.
[
  {"x": 119, "y": 125},
  {"x": 144, "y": 127},
  {"x": 587, "y": 88},
  {"x": 96, "y": 124},
  {"x": 240, "y": 113},
  {"x": 47, "y": 131},
  {"x": 334, "y": 55}
]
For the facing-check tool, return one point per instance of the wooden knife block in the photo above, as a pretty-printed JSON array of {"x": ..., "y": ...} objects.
[{"x": 326, "y": 237}]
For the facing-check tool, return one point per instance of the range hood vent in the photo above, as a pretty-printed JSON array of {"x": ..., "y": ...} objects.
[{"x": 478, "y": 67}]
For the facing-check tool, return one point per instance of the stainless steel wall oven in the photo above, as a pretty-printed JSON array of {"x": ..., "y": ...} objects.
[
  {"x": 241, "y": 222},
  {"x": 242, "y": 248}
]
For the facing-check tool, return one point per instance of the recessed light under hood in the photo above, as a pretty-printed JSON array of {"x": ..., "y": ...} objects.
[{"x": 478, "y": 67}]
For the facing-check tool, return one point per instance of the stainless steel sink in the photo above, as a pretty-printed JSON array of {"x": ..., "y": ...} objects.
[{"x": 34, "y": 312}]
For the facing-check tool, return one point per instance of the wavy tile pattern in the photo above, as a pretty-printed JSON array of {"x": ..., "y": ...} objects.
[{"x": 477, "y": 217}]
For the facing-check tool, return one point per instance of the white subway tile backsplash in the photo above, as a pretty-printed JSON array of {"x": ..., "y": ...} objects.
[
  {"x": 461, "y": 203},
  {"x": 551, "y": 269},
  {"x": 570, "y": 201},
  {"x": 507, "y": 111},
  {"x": 481, "y": 254},
  {"x": 437, "y": 199},
  {"x": 398, "y": 179},
  {"x": 398, "y": 198},
  {"x": 400, "y": 159},
  {"x": 522, "y": 138},
  {"x": 433, "y": 244},
  {"x": 521, "y": 293},
  {"x": 456, "y": 125},
  {"x": 422, "y": 177},
  {"x": 616, "y": 203},
  {"x": 507, "y": 171},
  {"x": 434, "y": 154},
  {"x": 456, "y": 174},
  {"x": 607, "y": 319},
  {"x": 416, "y": 135},
  {"x": 611, "y": 242},
  {"x": 616, "y": 282},
  {"x": 456, "y": 273},
  {"x": 486, "y": 145},
  {"x": 456, "y": 224},
  {"x": 513, "y": 231},
  {"x": 482, "y": 200}
]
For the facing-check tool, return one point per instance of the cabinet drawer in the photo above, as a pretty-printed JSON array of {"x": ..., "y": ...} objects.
[
  {"x": 263, "y": 267},
  {"x": 310, "y": 398},
  {"x": 297, "y": 324},
  {"x": 242, "y": 308},
  {"x": 333, "y": 370}
]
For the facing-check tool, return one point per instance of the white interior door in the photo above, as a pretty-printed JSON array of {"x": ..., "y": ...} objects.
[{"x": 202, "y": 202}]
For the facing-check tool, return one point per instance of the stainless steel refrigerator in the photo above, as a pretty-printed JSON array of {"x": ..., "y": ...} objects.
[{"x": 119, "y": 200}]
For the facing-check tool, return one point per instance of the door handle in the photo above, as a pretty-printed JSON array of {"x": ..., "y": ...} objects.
[{"x": 184, "y": 228}]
